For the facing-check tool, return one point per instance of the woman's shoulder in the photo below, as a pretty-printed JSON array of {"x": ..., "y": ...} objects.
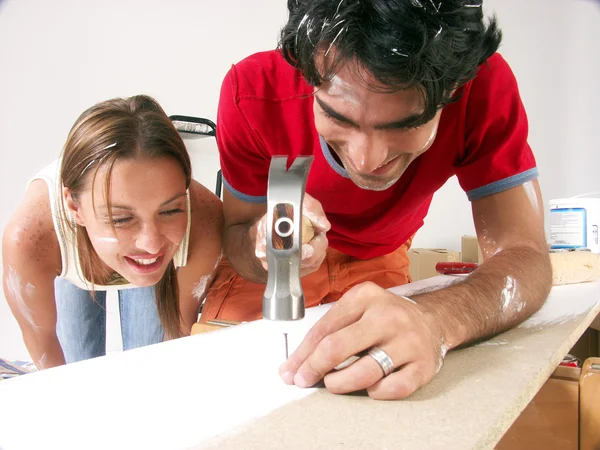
[
  {"x": 206, "y": 211},
  {"x": 205, "y": 206},
  {"x": 30, "y": 231}
]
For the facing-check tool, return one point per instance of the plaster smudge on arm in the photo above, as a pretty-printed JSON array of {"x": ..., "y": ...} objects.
[
  {"x": 200, "y": 290},
  {"x": 21, "y": 294}
]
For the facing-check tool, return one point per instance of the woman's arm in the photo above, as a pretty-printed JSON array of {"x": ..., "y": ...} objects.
[
  {"x": 204, "y": 253},
  {"x": 31, "y": 261}
]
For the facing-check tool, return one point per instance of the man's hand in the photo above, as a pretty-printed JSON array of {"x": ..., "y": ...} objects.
[
  {"x": 367, "y": 316},
  {"x": 314, "y": 251}
]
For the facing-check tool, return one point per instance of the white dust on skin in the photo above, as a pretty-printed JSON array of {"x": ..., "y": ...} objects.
[
  {"x": 200, "y": 289},
  {"x": 21, "y": 293},
  {"x": 512, "y": 302},
  {"x": 494, "y": 343},
  {"x": 498, "y": 343},
  {"x": 41, "y": 362},
  {"x": 443, "y": 351},
  {"x": 260, "y": 249},
  {"x": 491, "y": 247},
  {"x": 337, "y": 87},
  {"x": 106, "y": 240},
  {"x": 557, "y": 311},
  {"x": 532, "y": 196},
  {"x": 307, "y": 251},
  {"x": 407, "y": 299}
]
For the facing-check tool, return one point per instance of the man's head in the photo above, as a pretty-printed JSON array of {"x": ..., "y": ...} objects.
[{"x": 382, "y": 71}]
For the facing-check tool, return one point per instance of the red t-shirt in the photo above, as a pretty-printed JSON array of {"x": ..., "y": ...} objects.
[{"x": 266, "y": 109}]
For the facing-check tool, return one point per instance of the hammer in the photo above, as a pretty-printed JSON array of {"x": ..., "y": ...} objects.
[
  {"x": 283, "y": 298},
  {"x": 287, "y": 230}
]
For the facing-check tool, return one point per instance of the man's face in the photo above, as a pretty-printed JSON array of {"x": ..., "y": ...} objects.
[{"x": 366, "y": 129}]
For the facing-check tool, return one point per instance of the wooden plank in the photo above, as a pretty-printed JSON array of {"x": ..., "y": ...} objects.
[{"x": 221, "y": 390}]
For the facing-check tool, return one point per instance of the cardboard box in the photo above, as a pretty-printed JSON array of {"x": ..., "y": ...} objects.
[
  {"x": 470, "y": 250},
  {"x": 423, "y": 261},
  {"x": 589, "y": 412},
  {"x": 551, "y": 420}
]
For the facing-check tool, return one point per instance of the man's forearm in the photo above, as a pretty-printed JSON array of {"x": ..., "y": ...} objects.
[
  {"x": 239, "y": 243},
  {"x": 501, "y": 293}
]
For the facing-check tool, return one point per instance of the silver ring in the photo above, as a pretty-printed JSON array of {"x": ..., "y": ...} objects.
[{"x": 382, "y": 358}]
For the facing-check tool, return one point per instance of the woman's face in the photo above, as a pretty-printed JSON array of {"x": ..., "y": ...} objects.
[{"x": 149, "y": 216}]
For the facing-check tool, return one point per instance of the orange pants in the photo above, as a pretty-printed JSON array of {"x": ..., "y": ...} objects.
[{"x": 232, "y": 297}]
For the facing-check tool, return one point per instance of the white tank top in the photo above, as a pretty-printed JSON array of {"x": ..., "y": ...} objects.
[{"x": 67, "y": 235}]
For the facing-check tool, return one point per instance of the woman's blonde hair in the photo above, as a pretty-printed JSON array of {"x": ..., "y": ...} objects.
[{"x": 134, "y": 127}]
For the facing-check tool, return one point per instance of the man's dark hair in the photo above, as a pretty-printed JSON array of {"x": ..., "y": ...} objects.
[{"x": 433, "y": 45}]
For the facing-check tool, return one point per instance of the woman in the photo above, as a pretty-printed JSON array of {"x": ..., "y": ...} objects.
[{"x": 118, "y": 211}]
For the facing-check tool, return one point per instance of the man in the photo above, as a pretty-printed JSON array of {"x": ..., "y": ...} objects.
[{"x": 392, "y": 98}]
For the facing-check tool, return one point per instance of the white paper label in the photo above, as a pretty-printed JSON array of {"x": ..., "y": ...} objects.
[{"x": 568, "y": 228}]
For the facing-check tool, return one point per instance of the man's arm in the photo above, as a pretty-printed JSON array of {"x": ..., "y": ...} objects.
[
  {"x": 511, "y": 284},
  {"x": 515, "y": 277},
  {"x": 240, "y": 235}
]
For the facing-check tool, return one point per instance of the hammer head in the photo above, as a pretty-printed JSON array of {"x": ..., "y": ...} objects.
[{"x": 284, "y": 298}]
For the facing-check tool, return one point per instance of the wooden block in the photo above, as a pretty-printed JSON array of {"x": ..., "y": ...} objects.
[
  {"x": 589, "y": 405},
  {"x": 574, "y": 267}
]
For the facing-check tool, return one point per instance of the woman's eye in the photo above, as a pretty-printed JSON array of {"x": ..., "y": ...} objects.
[
  {"x": 119, "y": 221},
  {"x": 172, "y": 212}
]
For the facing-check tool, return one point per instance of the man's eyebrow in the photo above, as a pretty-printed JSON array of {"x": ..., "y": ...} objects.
[
  {"x": 333, "y": 113},
  {"x": 413, "y": 120},
  {"x": 129, "y": 208},
  {"x": 407, "y": 122}
]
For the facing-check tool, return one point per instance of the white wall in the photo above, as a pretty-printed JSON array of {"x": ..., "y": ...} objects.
[
  {"x": 58, "y": 58},
  {"x": 554, "y": 51}
]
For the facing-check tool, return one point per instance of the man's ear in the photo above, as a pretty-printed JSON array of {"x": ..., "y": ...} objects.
[{"x": 73, "y": 207}]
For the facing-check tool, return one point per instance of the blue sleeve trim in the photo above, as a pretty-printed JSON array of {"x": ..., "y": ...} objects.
[
  {"x": 244, "y": 197},
  {"x": 503, "y": 185}
]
